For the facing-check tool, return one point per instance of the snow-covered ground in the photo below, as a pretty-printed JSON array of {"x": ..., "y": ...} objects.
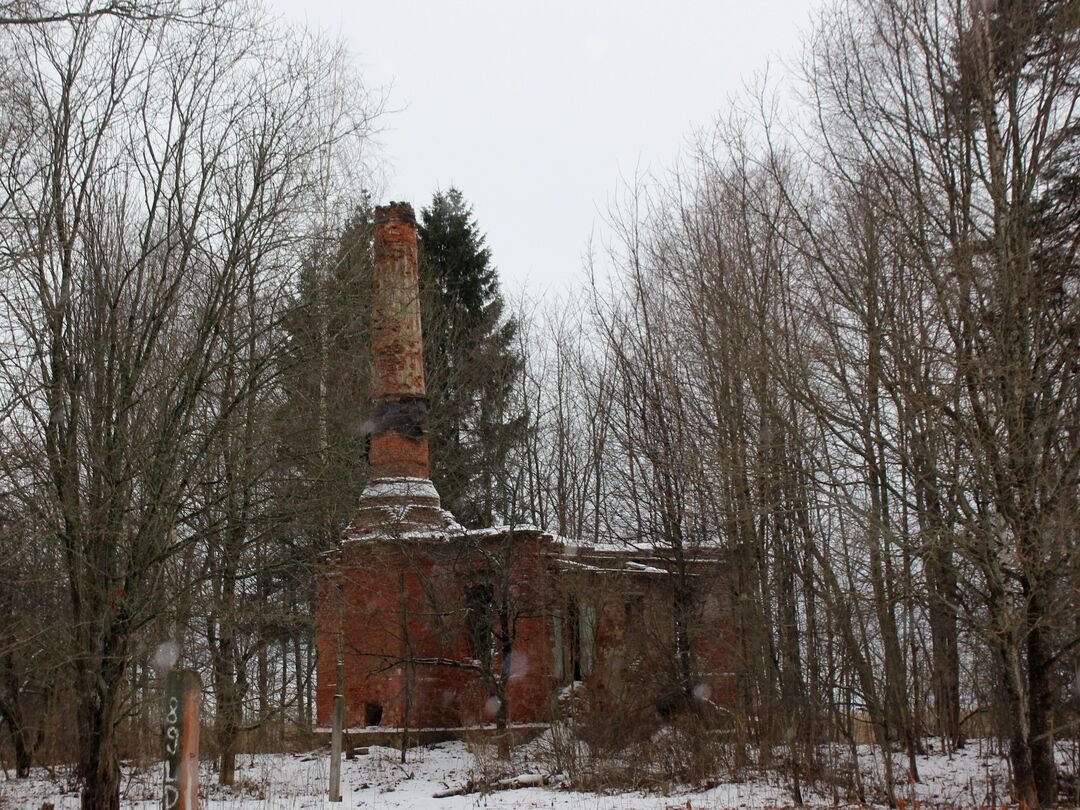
[{"x": 972, "y": 777}]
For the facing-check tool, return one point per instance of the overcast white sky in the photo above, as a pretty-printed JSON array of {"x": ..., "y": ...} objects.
[{"x": 535, "y": 110}]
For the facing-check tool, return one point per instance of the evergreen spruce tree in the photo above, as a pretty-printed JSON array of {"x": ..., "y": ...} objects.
[
  {"x": 321, "y": 438},
  {"x": 470, "y": 363},
  {"x": 327, "y": 401}
]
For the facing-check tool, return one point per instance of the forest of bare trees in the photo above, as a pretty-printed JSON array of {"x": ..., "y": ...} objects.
[
  {"x": 837, "y": 343},
  {"x": 163, "y": 173},
  {"x": 842, "y": 344}
]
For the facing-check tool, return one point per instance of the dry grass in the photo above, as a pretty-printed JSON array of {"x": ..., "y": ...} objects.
[{"x": 607, "y": 745}]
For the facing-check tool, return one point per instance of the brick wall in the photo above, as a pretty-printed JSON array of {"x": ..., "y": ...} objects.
[{"x": 404, "y": 611}]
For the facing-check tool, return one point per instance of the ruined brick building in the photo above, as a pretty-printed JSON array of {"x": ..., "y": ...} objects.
[{"x": 426, "y": 624}]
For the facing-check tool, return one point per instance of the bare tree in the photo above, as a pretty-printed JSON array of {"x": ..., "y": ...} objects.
[
  {"x": 960, "y": 112},
  {"x": 164, "y": 168}
]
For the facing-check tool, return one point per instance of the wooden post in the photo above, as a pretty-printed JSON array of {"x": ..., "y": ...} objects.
[
  {"x": 335, "y": 749},
  {"x": 181, "y": 781},
  {"x": 338, "y": 717}
]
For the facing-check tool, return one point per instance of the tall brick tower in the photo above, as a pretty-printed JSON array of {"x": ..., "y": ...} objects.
[
  {"x": 399, "y": 497},
  {"x": 396, "y": 602}
]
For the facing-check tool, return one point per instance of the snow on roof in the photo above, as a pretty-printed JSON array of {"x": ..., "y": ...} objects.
[
  {"x": 565, "y": 563},
  {"x": 645, "y": 569},
  {"x": 496, "y": 531},
  {"x": 400, "y": 488}
]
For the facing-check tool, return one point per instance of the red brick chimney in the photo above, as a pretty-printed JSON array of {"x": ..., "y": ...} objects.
[
  {"x": 399, "y": 441},
  {"x": 399, "y": 496}
]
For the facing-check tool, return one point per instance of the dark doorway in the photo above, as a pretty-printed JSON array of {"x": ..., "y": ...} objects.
[
  {"x": 574, "y": 628},
  {"x": 372, "y": 713}
]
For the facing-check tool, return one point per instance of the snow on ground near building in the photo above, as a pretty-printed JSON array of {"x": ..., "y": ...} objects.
[{"x": 970, "y": 778}]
